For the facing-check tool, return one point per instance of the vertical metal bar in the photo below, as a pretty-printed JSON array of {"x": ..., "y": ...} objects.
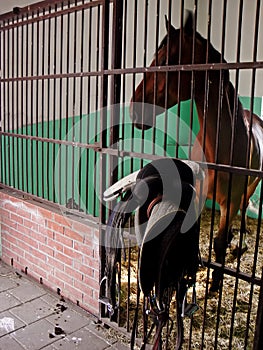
[
  {"x": 243, "y": 219},
  {"x": 256, "y": 30},
  {"x": 115, "y": 92},
  {"x": 123, "y": 127},
  {"x": 206, "y": 96},
  {"x": 1, "y": 103},
  {"x": 12, "y": 109},
  {"x": 88, "y": 192},
  {"x": 218, "y": 129},
  {"x": 177, "y": 136},
  {"x": 144, "y": 76},
  {"x": 38, "y": 164},
  {"x": 134, "y": 65},
  {"x": 48, "y": 124},
  {"x": 22, "y": 106},
  {"x": 157, "y": 27},
  {"x": 67, "y": 99},
  {"x": 18, "y": 100},
  {"x": 81, "y": 82},
  {"x": 166, "y": 98},
  {"x": 54, "y": 120},
  {"x": 103, "y": 116},
  {"x": 61, "y": 148},
  {"x": 9, "y": 53},
  {"x": 192, "y": 82},
  {"x": 26, "y": 105},
  {"x": 258, "y": 339},
  {"x": 43, "y": 109},
  {"x": 116, "y": 83}
]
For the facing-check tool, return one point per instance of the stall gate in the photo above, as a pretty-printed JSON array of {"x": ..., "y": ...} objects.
[{"x": 69, "y": 70}]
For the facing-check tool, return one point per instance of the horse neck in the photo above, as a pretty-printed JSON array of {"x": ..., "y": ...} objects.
[{"x": 208, "y": 118}]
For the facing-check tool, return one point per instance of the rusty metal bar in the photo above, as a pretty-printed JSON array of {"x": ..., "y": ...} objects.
[
  {"x": 49, "y": 15},
  {"x": 171, "y": 68}
]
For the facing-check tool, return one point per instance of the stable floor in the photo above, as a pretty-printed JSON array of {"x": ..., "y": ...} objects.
[{"x": 33, "y": 318}]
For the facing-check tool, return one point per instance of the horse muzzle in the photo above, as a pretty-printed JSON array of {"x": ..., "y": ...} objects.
[{"x": 143, "y": 114}]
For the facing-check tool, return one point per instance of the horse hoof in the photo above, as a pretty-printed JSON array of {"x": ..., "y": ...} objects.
[
  {"x": 236, "y": 251},
  {"x": 214, "y": 288}
]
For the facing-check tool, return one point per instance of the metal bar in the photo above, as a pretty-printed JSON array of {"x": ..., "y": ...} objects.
[
  {"x": 233, "y": 272},
  {"x": 171, "y": 68},
  {"x": 103, "y": 140},
  {"x": 258, "y": 339},
  {"x": 49, "y": 15},
  {"x": 94, "y": 146}
]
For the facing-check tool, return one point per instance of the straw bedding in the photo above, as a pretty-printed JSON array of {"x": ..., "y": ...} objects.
[{"x": 237, "y": 305}]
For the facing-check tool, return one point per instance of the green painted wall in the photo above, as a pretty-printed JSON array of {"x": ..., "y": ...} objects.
[{"x": 61, "y": 172}]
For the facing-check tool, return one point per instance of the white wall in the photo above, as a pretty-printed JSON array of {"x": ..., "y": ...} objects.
[
  {"x": 231, "y": 42},
  {"x": 8, "y": 5}
]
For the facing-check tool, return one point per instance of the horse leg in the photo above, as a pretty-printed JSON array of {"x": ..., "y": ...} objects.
[
  {"x": 221, "y": 241},
  {"x": 243, "y": 231}
]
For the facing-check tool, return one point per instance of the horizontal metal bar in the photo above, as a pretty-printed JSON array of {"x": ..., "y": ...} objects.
[
  {"x": 212, "y": 166},
  {"x": 160, "y": 69},
  {"x": 94, "y": 146},
  {"x": 122, "y": 154},
  {"x": 31, "y": 9},
  {"x": 188, "y": 67},
  {"x": 232, "y": 272},
  {"x": 53, "y": 76}
]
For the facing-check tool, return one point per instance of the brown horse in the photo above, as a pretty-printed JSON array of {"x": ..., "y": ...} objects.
[{"x": 224, "y": 124}]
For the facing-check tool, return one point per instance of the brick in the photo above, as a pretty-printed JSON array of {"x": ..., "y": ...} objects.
[
  {"x": 83, "y": 269},
  {"x": 89, "y": 261},
  {"x": 63, "y": 258},
  {"x": 33, "y": 268},
  {"x": 18, "y": 251},
  {"x": 82, "y": 228},
  {"x": 91, "y": 282},
  {"x": 46, "y": 232},
  {"x": 54, "y": 227},
  {"x": 62, "y": 220},
  {"x": 72, "y": 272},
  {"x": 74, "y": 235},
  {"x": 45, "y": 213},
  {"x": 84, "y": 288},
  {"x": 73, "y": 253},
  {"x": 84, "y": 249},
  {"x": 31, "y": 225},
  {"x": 46, "y": 249},
  {"x": 72, "y": 293},
  {"x": 32, "y": 243},
  {"x": 67, "y": 278},
  {"x": 53, "y": 282},
  {"x": 55, "y": 263},
  {"x": 38, "y": 237},
  {"x": 92, "y": 304},
  {"x": 55, "y": 245},
  {"x": 23, "y": 212},
  {"x": 16, "y": 218},
  {"x": 63, "y": 240},
  {"x": 8, "y": 222}
]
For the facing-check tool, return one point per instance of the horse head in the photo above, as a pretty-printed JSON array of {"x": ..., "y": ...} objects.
[{"x": 165, "y": 89}]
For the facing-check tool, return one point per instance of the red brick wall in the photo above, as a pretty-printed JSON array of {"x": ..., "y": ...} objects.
[{"x": 61, "y": 251}]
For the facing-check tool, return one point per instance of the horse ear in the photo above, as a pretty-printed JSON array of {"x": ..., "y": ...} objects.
[
  {"x": 167, "y": 23},
  {"x": 169, "y": 26},
  {"x": 188, "y": 25}
]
